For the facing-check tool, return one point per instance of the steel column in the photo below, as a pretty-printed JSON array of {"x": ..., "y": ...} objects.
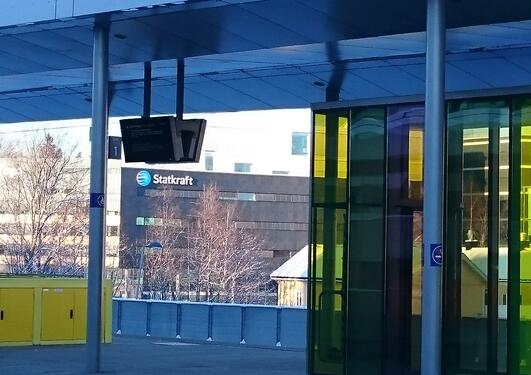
[
  {"x": 433, "y": 186},
  {"x": 98, "y": 174}
]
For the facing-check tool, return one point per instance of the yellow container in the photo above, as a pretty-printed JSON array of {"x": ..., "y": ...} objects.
[{"x": 44, "y": 311}]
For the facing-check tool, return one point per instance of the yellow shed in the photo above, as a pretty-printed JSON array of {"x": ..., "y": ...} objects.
[{"x": 42, "y": 311}]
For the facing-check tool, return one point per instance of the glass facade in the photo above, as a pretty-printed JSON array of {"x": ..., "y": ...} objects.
[{"x": 365, "y": 260}]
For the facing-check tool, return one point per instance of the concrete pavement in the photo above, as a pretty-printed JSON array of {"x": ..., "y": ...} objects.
[{"x": 132, "y": 355}]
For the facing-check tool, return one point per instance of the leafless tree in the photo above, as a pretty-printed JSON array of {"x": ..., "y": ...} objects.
[
  {"x": 225, "y": 261},
  {"x": 44, "y": 205},
  {"x": 163, "y": 268},
  {"x": 204, "y": 253}
]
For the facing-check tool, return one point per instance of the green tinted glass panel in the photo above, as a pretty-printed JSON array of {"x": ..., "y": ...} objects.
[
  {"x": 328, "y": 243},
  {"x": 477, "y": 226},
  {"x": 522, "y": 120},
  {"x": 366, "y": 262}
]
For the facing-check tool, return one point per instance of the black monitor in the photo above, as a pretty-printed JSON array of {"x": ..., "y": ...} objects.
[{"x": 162, "y": 139}]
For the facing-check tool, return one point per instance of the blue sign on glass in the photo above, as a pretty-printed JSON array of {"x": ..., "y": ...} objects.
[
  {"x": 97, "y": 200},
  {"x": 436, "y": 255}
]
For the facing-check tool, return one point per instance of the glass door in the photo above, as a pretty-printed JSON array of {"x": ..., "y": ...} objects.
[
  {"x": 403, "y": 270},
  {"x": 328, "y": 244},
  {"x": 476, "y": 268},
  {"x": 520, "y": 238},
  {"x": 365, "y": 266},
  {"x": 366, "y": 251}
]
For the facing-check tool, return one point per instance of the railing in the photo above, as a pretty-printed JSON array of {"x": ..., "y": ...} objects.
[{"x": 255, "y": 325}]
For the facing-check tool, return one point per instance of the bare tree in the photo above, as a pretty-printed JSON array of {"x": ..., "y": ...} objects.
[
  {"x": 163, "y": 268},
  {"x": 225, "y": 261},
  {"x": 204, "y": 253},
  {"x": 45, "y": 209}
]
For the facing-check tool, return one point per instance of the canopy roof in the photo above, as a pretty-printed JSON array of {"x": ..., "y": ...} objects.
[{"x": 249, "y": 54}]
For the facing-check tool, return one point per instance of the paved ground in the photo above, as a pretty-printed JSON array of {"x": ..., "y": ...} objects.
[{"x": 127, "y": 355}]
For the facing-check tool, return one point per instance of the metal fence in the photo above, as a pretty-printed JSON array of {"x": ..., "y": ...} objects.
[{"x": 256, "y": 325}]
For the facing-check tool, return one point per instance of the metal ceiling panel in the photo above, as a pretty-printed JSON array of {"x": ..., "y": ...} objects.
[
  {"x": 75, "y": 101},
  {"x": 11, "y": 115},
  {"x": 244, "y": 54},
  {"x": 25, "y": 108},
  {"x": 392, "y": 79},
  {"x": 19, "y": 64},
  {"x": 233, "y": 98},
  {"x": 459, "y": 80},
  {"x": 506, "y": 74},
  {"x": 301, "y": 85},
  {"x": 194, "y": 28},
  {"x": 41, "y": 57},
  {"x": 266, "y": 93},
  {"x": 119, "y": 53},
  {"x": 201, "y": 102},
  {"x": 206, "y": 36}
]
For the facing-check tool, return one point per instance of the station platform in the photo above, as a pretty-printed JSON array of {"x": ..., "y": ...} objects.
[{"x": 133, "y": 355}]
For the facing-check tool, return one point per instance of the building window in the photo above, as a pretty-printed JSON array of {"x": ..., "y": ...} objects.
[
  {"x": 246, "y": 196},
  {"x": 299, "y": 144},
  {"x": 242, "y": 167},
  {"x": 112, "y": 231},
  {"x": 140, "y": 220},
  {"x": 209, "y": 162},
  {"x": 299, "y": 298}
]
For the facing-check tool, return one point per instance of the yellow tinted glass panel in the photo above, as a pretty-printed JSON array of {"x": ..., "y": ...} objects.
[
  {"x": 319, "y": 145},
  {"x": 342, "y": 139},
  {"x": 415, "y": 155}
]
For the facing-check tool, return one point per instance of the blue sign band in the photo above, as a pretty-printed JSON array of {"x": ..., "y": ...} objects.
[
  {"x": 97, "y": 200},
  {"x": 436, "y": 255}
]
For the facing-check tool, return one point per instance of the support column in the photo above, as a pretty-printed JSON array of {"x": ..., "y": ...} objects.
[
  {"x": 98, "y": 174},
  {"x": 433, "y": 188}
]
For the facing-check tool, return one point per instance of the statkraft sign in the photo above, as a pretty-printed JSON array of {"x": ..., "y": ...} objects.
[{"x": 145, "y": 178}]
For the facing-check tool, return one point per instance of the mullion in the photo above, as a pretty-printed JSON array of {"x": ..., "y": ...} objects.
[
  {"x": 513, "y": 284},
  {"x": 453, "y": 254},
  {"x": 493, "y": 204},
  {"x": 329, "y": 235}
]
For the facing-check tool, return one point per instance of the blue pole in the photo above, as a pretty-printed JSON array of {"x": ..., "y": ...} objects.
[
  {"x": 433, "y": 188},
  {"x": 98, "y": 173}
]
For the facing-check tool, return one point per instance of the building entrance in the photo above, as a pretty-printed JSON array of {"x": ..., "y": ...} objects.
[
  {"x": 366, "y": 272},
  {"x": 477, "y": 236},
  {"x": 366, "y": 223}
]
